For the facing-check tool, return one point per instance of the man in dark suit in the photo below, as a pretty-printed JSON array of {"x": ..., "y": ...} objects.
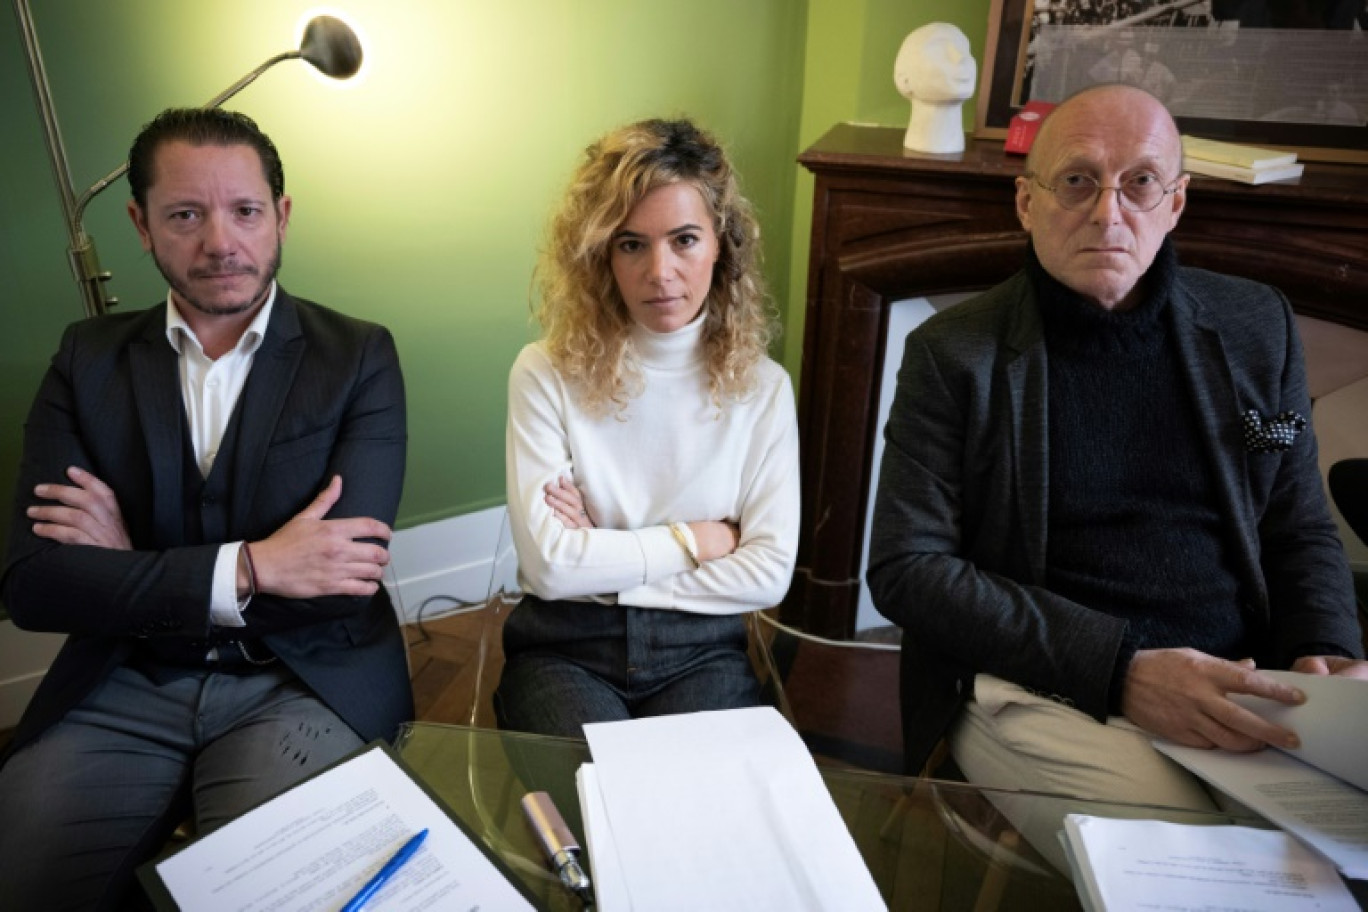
[
  {"x": 203, "y": 506},
  {"x": 1099, "y": 511}
]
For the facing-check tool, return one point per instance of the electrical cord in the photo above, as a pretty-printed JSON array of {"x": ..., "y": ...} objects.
[{"x": 462, "y": 606}]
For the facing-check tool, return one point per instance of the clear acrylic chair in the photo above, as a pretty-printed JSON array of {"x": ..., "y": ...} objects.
[{"x": 840, "y": 695}]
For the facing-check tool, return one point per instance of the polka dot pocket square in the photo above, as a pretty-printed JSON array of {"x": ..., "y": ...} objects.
[{"x": 1271, "y": 435}]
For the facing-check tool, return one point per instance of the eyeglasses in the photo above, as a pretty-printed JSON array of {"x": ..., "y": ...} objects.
[{"x": 1138, "y": 193}]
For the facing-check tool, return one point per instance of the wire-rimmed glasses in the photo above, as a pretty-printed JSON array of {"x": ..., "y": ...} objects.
[{"x": 1142, "y": 192}]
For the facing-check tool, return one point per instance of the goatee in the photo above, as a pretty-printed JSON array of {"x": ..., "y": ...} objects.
[{"x": 180, "y": 285}]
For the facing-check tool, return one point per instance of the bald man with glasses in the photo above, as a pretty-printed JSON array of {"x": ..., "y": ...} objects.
[{"x": 1099, "y": 512}]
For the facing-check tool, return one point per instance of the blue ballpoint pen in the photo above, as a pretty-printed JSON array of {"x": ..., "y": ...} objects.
[{"x": 389, "y": 870}]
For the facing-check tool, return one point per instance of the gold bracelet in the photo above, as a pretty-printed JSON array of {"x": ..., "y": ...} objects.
[{"x": 690, "y": 549}]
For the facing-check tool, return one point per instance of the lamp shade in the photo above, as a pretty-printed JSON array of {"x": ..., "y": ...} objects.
[{"x": 331, "y": 46}]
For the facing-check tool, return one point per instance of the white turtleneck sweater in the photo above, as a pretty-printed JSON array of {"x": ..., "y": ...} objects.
[{"x": 671, "y": 456}]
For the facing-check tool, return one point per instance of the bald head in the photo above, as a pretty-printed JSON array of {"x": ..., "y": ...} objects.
[
  {"x": 1103, "y": 104},
  {"x": 1109, "y": 137}
]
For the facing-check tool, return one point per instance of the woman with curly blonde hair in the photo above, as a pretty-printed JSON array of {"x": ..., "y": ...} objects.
[{"x": 652, "y": 451}]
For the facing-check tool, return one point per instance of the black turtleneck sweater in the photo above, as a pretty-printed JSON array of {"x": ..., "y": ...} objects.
[{"x": 1135, "y": 529}]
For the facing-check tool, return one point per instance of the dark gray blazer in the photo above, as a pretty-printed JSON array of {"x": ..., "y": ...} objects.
[
  {"x": 957, "y": 552},
  {"x": 325, "y": 396}
]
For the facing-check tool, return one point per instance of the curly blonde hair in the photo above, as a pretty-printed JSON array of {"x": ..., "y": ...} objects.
[{"x": 585, "y": 320}]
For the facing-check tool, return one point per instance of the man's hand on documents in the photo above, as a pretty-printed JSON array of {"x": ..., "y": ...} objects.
[{"x": 1181, "y": 695}]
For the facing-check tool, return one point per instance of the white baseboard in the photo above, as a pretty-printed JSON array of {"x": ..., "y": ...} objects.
[
  {"x": 433, "y": 568},
  {"x": 24, "y": 657},
  {"x": 436, "y": 568}
]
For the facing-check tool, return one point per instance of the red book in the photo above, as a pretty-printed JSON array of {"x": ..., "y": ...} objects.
[{"x": 1022, "y": 129}]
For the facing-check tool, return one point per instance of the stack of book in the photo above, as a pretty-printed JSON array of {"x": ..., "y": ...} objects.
[{"x": 1234, "y": 161}]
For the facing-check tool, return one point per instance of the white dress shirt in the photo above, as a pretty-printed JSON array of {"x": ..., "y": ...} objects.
[{"x": 210, "y": 389}]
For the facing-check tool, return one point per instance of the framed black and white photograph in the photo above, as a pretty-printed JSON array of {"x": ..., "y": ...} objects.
[{"x": 1283, "y": 73}]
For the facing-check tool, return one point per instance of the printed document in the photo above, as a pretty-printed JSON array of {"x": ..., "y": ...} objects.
[
  {"x": 314, "y": 846},
  {"x": 719, "y": 811},
  {"x": 1310, "y": 792},
  {"x": 1124, "y": 865},
  {"x": 1332, "y": 724}
]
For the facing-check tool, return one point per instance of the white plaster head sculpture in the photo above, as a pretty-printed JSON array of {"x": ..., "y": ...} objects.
[{"x": 935, "y": 70}]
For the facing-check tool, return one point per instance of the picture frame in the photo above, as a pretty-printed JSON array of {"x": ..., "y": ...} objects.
[{"x": 1003, "y": 86}]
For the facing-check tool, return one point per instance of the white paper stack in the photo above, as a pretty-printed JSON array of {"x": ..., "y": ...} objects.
[
  {"x": 719, "y": 811},
  {"x": 1233, "y": 161},
  {"x": 1143, "y": 865}
]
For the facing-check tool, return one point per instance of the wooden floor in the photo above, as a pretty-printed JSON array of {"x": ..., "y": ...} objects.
[
  {"x": 445, "y": 669},
  {"x": 844, "y": 702}
]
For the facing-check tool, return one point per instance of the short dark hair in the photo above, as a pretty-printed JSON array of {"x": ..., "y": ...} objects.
[{"x": 200, "y": 127}]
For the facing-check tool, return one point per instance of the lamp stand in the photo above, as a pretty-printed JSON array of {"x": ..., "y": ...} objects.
[
  {"x": 329, "y": 45},
  {"x": 85, "y": 263}
]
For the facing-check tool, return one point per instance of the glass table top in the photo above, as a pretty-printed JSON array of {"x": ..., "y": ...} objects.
[{"x": 929, "y": 844}]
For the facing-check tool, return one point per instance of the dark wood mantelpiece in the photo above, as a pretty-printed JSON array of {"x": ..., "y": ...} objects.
[{"x": 889, "y": 224}]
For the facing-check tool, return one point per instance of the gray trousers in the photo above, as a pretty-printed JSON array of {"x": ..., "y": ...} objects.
[{"x": 99, "y": 793}]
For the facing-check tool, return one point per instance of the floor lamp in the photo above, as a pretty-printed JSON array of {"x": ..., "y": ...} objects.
[{"x": 328, "y": 43}]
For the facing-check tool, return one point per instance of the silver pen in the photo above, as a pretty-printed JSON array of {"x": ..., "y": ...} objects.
[{"x": 558, "y": 843}]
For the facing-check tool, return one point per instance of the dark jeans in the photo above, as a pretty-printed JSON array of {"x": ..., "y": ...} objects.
[{"x": 568, "y": 663}]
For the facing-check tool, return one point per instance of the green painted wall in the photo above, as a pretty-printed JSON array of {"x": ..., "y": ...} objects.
[
  {"x": 420, "y": 194},
  {"x": 848, "y": 65}
]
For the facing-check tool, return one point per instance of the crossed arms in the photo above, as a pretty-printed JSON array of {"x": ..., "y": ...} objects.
[{"x": 85, "y": 556}]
